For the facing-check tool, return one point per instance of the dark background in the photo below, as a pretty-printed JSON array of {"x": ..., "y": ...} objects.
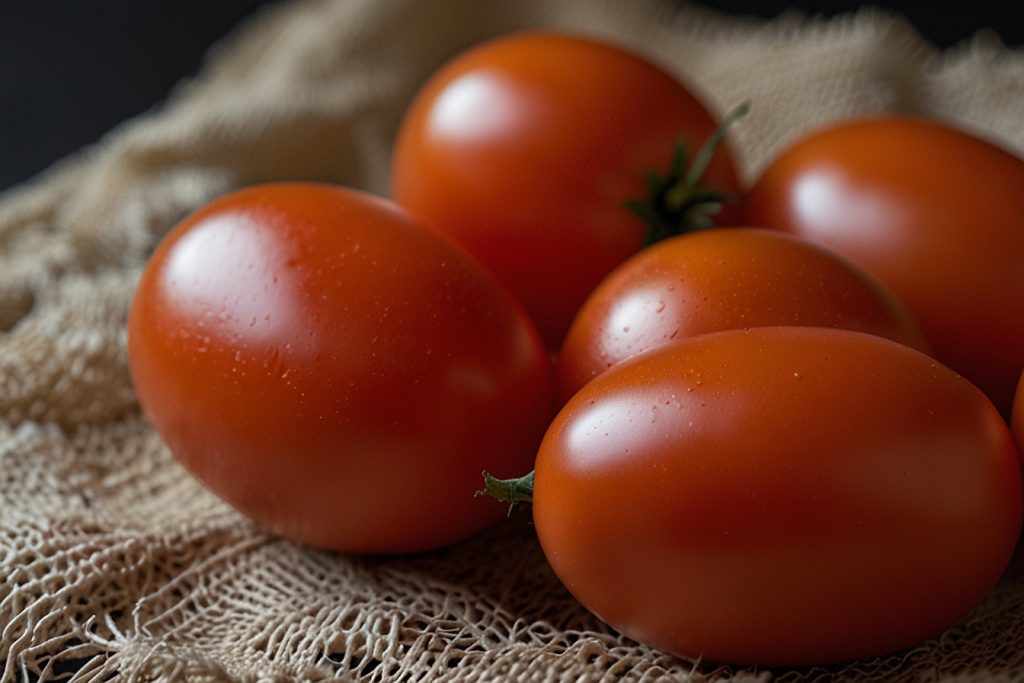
[{"x": 70, "y": 70}]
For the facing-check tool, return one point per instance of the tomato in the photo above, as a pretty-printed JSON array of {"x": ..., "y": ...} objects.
[
  {"x": 1018, "y": 416},
  {"x": 720, "y": 280},
  {"x": 934, "y": 213},
  {"x": 333, "y": 370},
  {"x": 779, "y": 496},
  {"x": 526, "y": 149}
]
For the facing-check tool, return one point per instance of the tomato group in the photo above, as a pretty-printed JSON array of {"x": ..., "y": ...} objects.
[
  {"x": 934, "y": 213},
  {"x": 779, "y": 496},
  {"x": 334, "y": 371},
  {"x": 719, "y": 280},
  {"x": 755, "y": 461},
  {"x": 526, "y": 149}
]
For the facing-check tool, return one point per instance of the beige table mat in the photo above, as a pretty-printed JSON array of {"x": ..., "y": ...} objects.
[{"x": 113, "y": 561}]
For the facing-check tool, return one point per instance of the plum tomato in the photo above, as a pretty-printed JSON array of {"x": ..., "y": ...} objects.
[
  {"x": 779, "y": 496},
  {"x": 719, "y": 280},
  {"x": 935, "y": 213},
  {"x": 526, "y": 150},
  {"x": 333, "y": 370},
  {"x": 1017, "y": 420}
]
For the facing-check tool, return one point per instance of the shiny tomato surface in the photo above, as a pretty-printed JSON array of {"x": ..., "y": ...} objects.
[
  {"x": 526, "y": 149},
  {"x": 779, "y": 496},
  {"x": 334, "y": 371},
  {"x": 720, "y": 280},
  {"x": 934, "y": 213}
]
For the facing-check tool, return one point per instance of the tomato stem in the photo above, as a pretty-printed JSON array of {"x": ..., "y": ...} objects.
[
  {"x": 676, "y": 201},
  {"x": 512, "y": 491},
  {"x": 711, "y": 145}
]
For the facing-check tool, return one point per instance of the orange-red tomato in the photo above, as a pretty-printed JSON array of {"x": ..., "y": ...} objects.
[
  {"x": 526, "y": 149},
  {"x": 1017, "y": 420},
  {"x": 934, "y": 213},
  {"x": 779, "y": 496},
  {"x": 334, "y": 371},
  {"x": 720, "y": 280}
]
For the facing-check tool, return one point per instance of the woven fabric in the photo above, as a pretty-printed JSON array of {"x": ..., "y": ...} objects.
[{"x": 115, "y": 563}]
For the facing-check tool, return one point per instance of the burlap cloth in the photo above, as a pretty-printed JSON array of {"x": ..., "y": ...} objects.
[{"x": 115, "y": 563}]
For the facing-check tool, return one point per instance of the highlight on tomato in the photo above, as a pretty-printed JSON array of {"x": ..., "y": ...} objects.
[
  {"x": 552, "y": 158},
  {"x": 935, "y": 213},
  {"x": 777, "y": 496},
  {"x": 719, "y": 280},
  {"x": 327, "y": 366}
]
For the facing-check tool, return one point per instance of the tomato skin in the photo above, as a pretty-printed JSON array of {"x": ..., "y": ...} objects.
[
  {"x": 1017, "y": 420},
  {"x": 525, "y": 150},
  {"x": 719, "y": 280},
  {"x": 334, "y": 371},
  {"x": 779, "y": 496},
  {"x": 935, "y": 214}
]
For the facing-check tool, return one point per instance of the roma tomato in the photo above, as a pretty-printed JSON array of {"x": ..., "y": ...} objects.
[
  {"x": 328, "y": 367},
  {"x": 526, "y": 150},
  {"x": 779, "y": 496},
  {"x": 721, "y": 280},
  {"x": 934, "y": 213},
  {"x": 1018, "y": 416}
]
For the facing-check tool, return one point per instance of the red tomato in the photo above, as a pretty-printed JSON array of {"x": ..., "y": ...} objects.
[
  {"x": 935, "y": 214},
  {"x": 779, "y": 496},
  {"x": 1018, "y": 416},
  {"x": 721, "y": 280},
  {"x": 526, "y": 149},
  {"x": 334, "y": 371}
]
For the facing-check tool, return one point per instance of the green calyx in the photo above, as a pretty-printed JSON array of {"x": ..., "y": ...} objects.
[
  {"x": 677, "y": 202},
  {"x": 512, "y": 491}
]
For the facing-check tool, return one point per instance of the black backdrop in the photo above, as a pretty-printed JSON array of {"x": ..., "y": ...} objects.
[{"x": 72, "y": 69}]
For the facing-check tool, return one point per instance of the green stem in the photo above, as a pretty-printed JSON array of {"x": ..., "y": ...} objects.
[
  {"x": 677, "y": 202},
  {"x": 512, "y": 491},
  {"x": 711, "y": 145}
]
